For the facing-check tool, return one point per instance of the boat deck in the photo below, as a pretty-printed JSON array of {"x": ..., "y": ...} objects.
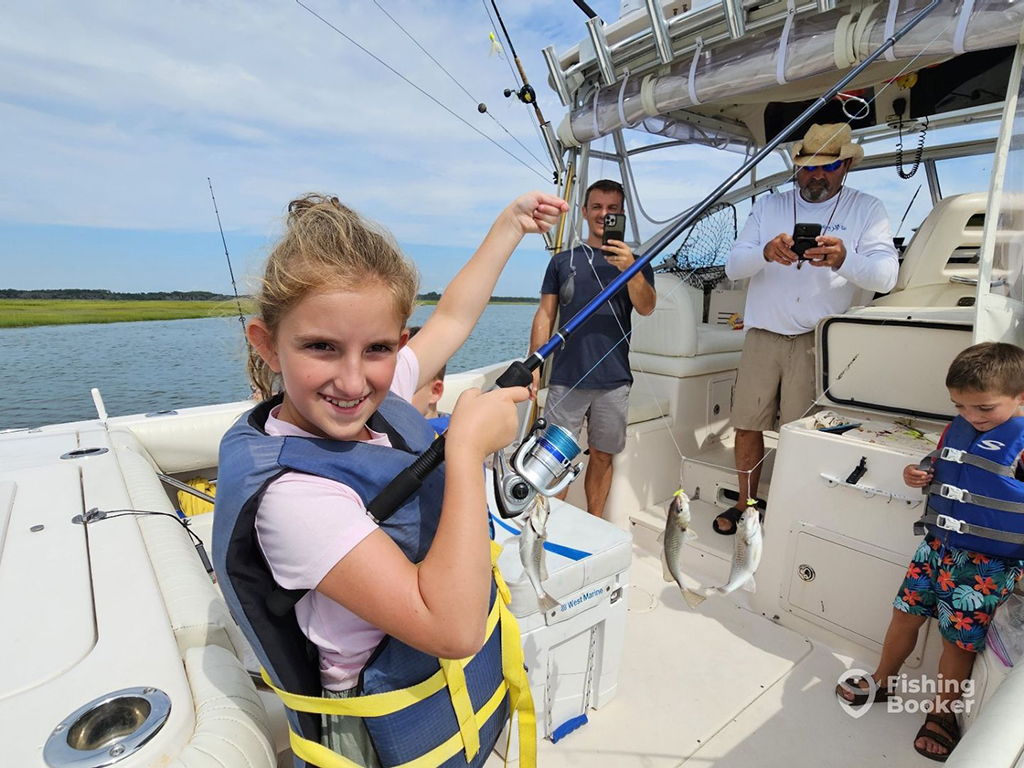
[{"x": 724, "y": 686}]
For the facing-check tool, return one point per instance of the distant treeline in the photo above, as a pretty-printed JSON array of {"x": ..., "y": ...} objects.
[
  {"x": 435, "y": 296},
  {"x": 96, "y": 294}
]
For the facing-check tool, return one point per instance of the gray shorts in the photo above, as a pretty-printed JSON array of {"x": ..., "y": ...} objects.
[{"x": 606, "y": 412}]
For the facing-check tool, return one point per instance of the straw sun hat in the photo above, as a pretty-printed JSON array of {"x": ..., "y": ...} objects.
[{"x": 825, "y": 144}]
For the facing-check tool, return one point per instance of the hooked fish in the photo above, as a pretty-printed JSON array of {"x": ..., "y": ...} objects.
[
  {"x": 677, "y": 533},
  {"x": 531, "y": 551},
  {"x": 746, "y": 554}
]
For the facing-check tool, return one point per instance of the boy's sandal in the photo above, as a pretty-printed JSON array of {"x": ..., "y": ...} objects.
[
  {"x": 733, "y": 516},
  {"x": 947, "y": 738},
  {"x": 852, "y": 684}
]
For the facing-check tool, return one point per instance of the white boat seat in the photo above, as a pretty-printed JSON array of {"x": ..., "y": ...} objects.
[
  {"x": 232, "y": 727},
  {"x": 198, "y": 615},
  {"x": 942, "y": 250},
  {"x": 673, "y": 342}
]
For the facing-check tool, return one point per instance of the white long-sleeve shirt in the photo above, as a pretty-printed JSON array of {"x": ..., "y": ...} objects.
[{"x": 787, "y": 300}]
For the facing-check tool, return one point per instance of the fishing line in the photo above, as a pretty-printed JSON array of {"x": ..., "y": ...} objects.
[
  {"x": 481, "y": 107},
  {"x": 238, "y": 302},
  {"x": 410, "y": 82}
]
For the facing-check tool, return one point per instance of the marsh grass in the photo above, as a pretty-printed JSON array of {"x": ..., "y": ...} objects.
[{"x": 24, "y": 313}]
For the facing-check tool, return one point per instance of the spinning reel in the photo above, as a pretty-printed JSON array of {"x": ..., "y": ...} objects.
[{"x": 542, "y": 464}]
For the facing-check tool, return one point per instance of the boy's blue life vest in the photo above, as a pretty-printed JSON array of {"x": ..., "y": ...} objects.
[
  {"x": 418, "y": 710},
  {"x": 975, "y": 501}
]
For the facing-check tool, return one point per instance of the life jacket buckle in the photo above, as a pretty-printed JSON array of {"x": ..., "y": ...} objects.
[
  {"x": 952, "y": 492},
  {"x": 947, "y": 523},
  {"x": 951, "y": 454}
]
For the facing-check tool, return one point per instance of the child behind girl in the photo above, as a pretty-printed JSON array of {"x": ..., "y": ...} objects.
[{"x": 336, "y": 373}]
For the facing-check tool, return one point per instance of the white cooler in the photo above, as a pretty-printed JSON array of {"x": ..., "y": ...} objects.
[{"x": 572, "y": 655}]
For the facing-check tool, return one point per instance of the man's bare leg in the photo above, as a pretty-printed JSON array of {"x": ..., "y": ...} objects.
[
  {"x": 749, "y": 451},
  {"x": 598, "y": 481}
]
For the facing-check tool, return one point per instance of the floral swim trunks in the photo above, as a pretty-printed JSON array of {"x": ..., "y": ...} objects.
[{"x": 961, "y": 589}]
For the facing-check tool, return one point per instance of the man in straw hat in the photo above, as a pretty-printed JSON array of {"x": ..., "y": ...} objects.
[{"x": 790, "y": 292}]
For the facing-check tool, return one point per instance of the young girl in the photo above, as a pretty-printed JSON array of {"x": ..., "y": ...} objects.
[{"x": 297, "y": 473}]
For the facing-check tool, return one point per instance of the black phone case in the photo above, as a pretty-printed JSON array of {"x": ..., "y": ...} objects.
[
  {"x": 804, "y": 238},
  {"x": 617, "y": 232}
]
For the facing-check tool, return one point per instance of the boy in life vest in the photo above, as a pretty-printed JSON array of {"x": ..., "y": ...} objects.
[
  {"x": 427, "y": 397},
  {"x": 383, "y": 628},
  {"x": 971, "y": 556}
]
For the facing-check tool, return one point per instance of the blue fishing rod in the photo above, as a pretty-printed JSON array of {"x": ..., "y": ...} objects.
[{"x": 549, "y": 461}]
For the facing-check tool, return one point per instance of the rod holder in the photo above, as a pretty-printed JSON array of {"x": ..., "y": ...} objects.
[
  {"x": 595, "y": 28},
  {"x": 659, "y": 30},
  {"x": 735, "y": 19},
  {"x": 557, "y": 75}
]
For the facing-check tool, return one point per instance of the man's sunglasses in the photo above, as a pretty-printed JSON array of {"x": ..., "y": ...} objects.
[{"x": 830, "y": 167}]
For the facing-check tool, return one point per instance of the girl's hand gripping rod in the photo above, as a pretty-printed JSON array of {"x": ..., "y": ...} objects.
[{"x": 520, "y": 373}]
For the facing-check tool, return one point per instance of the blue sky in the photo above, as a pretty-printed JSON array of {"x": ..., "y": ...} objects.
[{"x": 114, "y": 113}]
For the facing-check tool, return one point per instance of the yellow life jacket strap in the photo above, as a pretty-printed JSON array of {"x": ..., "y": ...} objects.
[
  {"x": 520, "y": 698},
  {"x": 455, "y": 676},
  {"x": 373, "y": 704}
]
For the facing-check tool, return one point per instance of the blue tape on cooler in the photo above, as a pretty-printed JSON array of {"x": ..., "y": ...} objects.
[
  {"x": 568, "y": 727},
  {"x": 557, "y": 549}
]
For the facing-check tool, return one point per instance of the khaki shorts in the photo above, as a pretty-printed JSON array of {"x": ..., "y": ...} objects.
[{"x": 776, "y": 375}]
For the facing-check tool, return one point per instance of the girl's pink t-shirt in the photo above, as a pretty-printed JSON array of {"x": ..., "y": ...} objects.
[{"x": 305, "y": 525}]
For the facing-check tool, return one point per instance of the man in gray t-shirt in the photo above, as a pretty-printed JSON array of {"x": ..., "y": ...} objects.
[{"x": 590, "y": 377}]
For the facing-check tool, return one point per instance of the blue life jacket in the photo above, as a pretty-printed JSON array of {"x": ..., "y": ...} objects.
[
  {"x": 975, "y": 501},
  {"x": 460, "y": 730},
  {"x": 440, "y": 422}
]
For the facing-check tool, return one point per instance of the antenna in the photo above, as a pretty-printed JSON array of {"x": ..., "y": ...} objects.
[{"x": 238, "y": 303}]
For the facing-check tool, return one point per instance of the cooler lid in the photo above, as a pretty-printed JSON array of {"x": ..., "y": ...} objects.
[
  {"x": 581, "y": 550},
  {"x": 891, "y": 360}
]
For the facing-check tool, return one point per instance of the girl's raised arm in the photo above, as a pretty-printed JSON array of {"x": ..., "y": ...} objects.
[{"x": 469, "y": 291}]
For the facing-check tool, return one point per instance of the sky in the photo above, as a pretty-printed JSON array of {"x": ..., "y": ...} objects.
[{"x": 114, "y": 113}]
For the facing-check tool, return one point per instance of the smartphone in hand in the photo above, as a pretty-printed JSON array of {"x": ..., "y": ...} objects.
[
  {"x": 804, "y": 238},
  {"x": 614, "y": 227}
]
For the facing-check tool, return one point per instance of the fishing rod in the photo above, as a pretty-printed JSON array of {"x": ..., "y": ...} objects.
[
  {"x": 238, "y": 302},
  {"x": 520, "y": 372},
  {"x": 528, "y": 95},
  {"x": 900, "y": 227}
]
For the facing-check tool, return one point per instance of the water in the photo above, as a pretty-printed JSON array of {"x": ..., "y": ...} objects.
[{"x": 47, "y": 372}]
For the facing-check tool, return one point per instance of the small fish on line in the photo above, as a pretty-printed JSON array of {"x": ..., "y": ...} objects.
[
  {"x": 531, "y": 551},
  {"x": 746, "y": 554},
  {"x": 677, "y": 533}
]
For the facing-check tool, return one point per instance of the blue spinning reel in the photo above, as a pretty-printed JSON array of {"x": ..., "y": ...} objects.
[{"x": 542, "y": 464}]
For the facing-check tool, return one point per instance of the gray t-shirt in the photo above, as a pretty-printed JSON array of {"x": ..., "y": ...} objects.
[{"x": 600, "y": 336}]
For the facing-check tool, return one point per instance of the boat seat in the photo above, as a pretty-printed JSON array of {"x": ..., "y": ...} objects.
[
  {"x": 673, "y": 341},
  {"x": 177, "y": 445},
  {"x": 198, "y": 615},
  {"x": 232, "y": 727},
  {"x": 943, "y": 249}
]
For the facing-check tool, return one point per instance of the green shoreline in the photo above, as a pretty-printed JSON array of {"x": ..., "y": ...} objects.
[{"x": 28, "y": 313}]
